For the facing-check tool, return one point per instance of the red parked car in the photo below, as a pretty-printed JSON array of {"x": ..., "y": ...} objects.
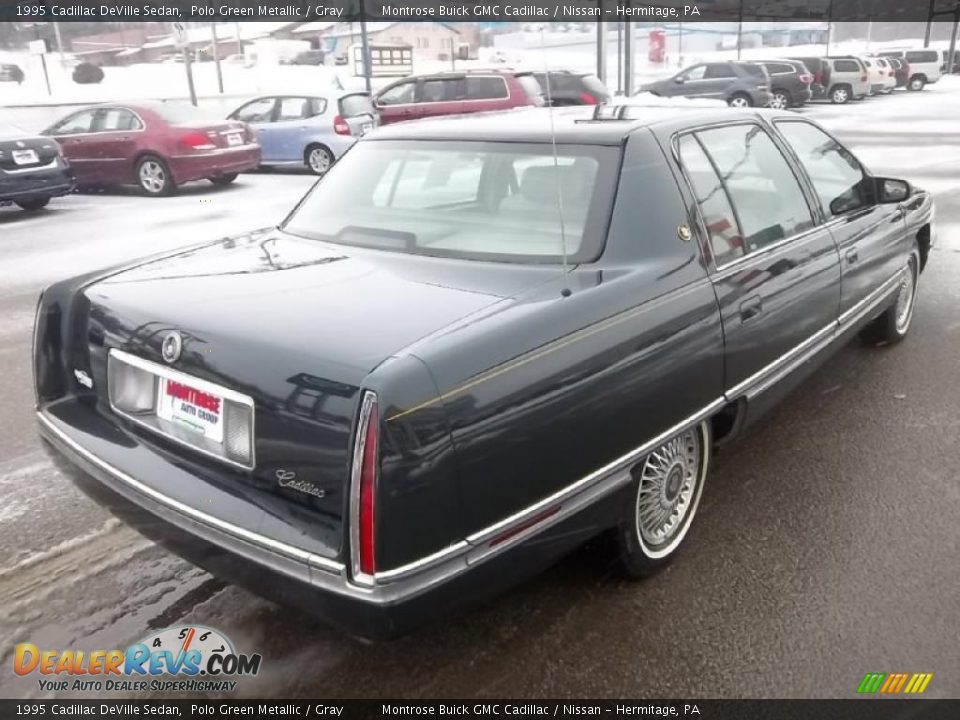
[
  {"x": 157, "y": 146},
  {"x": 457, "y": 93}
]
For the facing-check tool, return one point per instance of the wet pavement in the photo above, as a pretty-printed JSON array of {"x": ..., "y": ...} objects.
[{"x": 826, "y": 545}]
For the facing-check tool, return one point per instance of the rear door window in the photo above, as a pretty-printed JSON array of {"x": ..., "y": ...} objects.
[
  {"x": 486, "y": 88},
  {"x": 117, "y": 120},
  {"x": 762, "y": 186},
  {"x": 837, "y": 176},
  {"x": 439, "y": 90},
  {"x": 846, "y": 66},
  {"x": 294, "y": 108},
  {"x": 718, "y": 71}
]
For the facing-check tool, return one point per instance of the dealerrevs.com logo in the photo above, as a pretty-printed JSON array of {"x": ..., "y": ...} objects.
[{"x": 197, "y": 659}]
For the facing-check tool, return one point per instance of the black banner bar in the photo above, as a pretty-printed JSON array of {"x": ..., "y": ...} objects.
[
  {"x": 891, "y": 709},
  {"x": 523, "y": 11}
]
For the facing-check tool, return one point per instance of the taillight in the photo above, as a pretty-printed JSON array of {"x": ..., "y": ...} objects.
[
  {"x": 197, "y": 141},
  {"x": 340, "y": 126},
  {"x": 364, "y": 491},
  {"x": 863, "y": 78},
  {"x": 587, "y": 99},
  {"x": 806, "y": 79}
]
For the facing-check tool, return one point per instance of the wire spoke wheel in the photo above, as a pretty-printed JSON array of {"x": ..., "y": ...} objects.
[
  {"x": 670, "y": 483},
  {"x": 906, "y": 296}
]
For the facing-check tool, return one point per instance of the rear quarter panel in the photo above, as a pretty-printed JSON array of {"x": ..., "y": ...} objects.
[{"x": 549, "y": 389}]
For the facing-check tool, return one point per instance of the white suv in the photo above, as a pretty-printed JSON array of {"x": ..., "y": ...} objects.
[{"x": 924, "y": 66}]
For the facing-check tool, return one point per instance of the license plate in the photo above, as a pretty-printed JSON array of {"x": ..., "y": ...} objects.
[
  {"x": 191, "y": 408},
  {"x": 25, "y": 157},
  {"x": 234, "y": 139}
]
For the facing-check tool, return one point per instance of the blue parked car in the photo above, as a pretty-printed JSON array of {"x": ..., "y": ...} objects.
[{"x": 311, "y": 130}]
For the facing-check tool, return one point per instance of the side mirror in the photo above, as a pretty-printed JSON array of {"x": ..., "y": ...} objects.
[
  {"x": 891, "y": 190},
  {"x": 679, "y": 79}
]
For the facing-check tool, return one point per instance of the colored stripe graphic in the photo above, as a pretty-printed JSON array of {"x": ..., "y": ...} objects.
[{"x": 894, "y": 683}]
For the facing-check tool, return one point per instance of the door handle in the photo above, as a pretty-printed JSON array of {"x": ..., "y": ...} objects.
[
  {"x": 852, "y": 256},
  {"x": 750, "y": 308}
]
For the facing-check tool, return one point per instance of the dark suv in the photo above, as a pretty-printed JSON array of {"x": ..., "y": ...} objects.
[
  {"x": 739, "y": 84},
  {"x": 572, "y": 88},
  {"x": 790, "y": 82},
  {"x": 425, "y": 96}
]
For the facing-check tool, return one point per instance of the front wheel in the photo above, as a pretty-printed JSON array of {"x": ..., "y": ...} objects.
[
  {"x": 154, "y": 177},
  {"x": 894, "y": 324},
  {"x": 666, "y": 492},
  {"x": 739, "y": 101},
  {"x": 33, "y": 203},
  {"x": 223, "y": 179}
]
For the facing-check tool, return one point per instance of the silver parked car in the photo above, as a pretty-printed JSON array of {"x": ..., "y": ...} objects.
[{"x": 312, "y": 130}]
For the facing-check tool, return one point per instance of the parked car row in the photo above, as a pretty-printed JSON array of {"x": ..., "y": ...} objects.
[{"x": 792, "y": 82}]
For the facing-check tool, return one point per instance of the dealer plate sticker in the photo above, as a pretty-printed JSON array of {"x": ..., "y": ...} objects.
[{"x": 188, "y": 407}]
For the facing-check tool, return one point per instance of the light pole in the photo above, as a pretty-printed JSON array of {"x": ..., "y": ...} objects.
[{"x": 216, "y": 55}]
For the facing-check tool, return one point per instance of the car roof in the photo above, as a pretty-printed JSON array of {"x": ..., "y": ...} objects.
[{"x": 571, "y": 125}]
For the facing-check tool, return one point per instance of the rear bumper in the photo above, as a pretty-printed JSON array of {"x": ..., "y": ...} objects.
[
  {"x": 291, "y": 575},
  {"x": 201, "y": 165},
  {"x": 36, "y": 183}
]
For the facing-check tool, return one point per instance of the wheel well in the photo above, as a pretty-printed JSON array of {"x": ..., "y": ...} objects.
[
  {"x": 846, "y": 86},
  {"x": 725, "y": 423},
  {"x": 919, "y": 75},
  {"x": 923, "y": 242},
  {"x": 311, "y": 146}
]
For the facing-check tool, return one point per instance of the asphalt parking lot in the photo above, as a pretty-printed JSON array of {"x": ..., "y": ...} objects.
[{"x": 826, "y": 545}]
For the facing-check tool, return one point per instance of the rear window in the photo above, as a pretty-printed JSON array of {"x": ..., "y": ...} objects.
[
  {"x": 531, "y": 88},
  {"x": 353, "y": 105},
  {"x": 923, "y": 56},
  {"x": 470, "y": 200}
]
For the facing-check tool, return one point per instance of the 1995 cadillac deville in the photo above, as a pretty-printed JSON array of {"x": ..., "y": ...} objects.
[{"x": 475, "y": 344}]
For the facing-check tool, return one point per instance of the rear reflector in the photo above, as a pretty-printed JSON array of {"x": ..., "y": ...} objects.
[
  {"x": 363, "y": 491},
  {"x": 525, "y": 525},
  {"x": 340, "y": 126}
]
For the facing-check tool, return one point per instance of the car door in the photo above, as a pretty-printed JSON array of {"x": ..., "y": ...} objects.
[
  {"x": 869, "y": 235},
  {"x": 258, "y": 114},
  {"x": 775, "y": 271},
  {"x": 398, "y": 102},
  {"x": 72, "y": 134},
  {"x": 358, "y": 112},
  {"x": 113, "y": 144},
  {"x": 440, "y": 96},
  {"x": 717, "y": 79},
  {"x": 689, "y": 83},
  {"x": 292, "y": 128}
]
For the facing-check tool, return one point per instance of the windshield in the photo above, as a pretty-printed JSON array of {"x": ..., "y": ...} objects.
[{"x": 473, "y": 200}]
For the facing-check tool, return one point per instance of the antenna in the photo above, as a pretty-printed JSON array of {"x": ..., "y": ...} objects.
[{"x": 556, "y": 169}]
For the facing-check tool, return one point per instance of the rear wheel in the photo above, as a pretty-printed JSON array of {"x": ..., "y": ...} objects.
[
  {"x": 917, "y": 82},
  {"x": 319, "y": 159},
  {"x": 779, "y": 100},
  {"x": 840, "y": 95},
  {"x": 739, "y": 101},
  {"x": 223, "y": 179},
  {"x": 33, "y": 203},
  {"x": 894, "y": 324},
  {"x": 153, "y": 177},
  {"x": 667, "y": 489}
]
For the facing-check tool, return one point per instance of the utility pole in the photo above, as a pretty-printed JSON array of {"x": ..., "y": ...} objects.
[
  {"x": 740, "y": 30},
  {"x": 926, "y": 35},
  {"x": 216, "y": 55},
  {"x": 953, "y": 41},
  {"x": 601, "y": 48},
  {"x": 627, "y": 57},
  {"x": 56, "y": 33},
  {"x": 366, "y": 48}
]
